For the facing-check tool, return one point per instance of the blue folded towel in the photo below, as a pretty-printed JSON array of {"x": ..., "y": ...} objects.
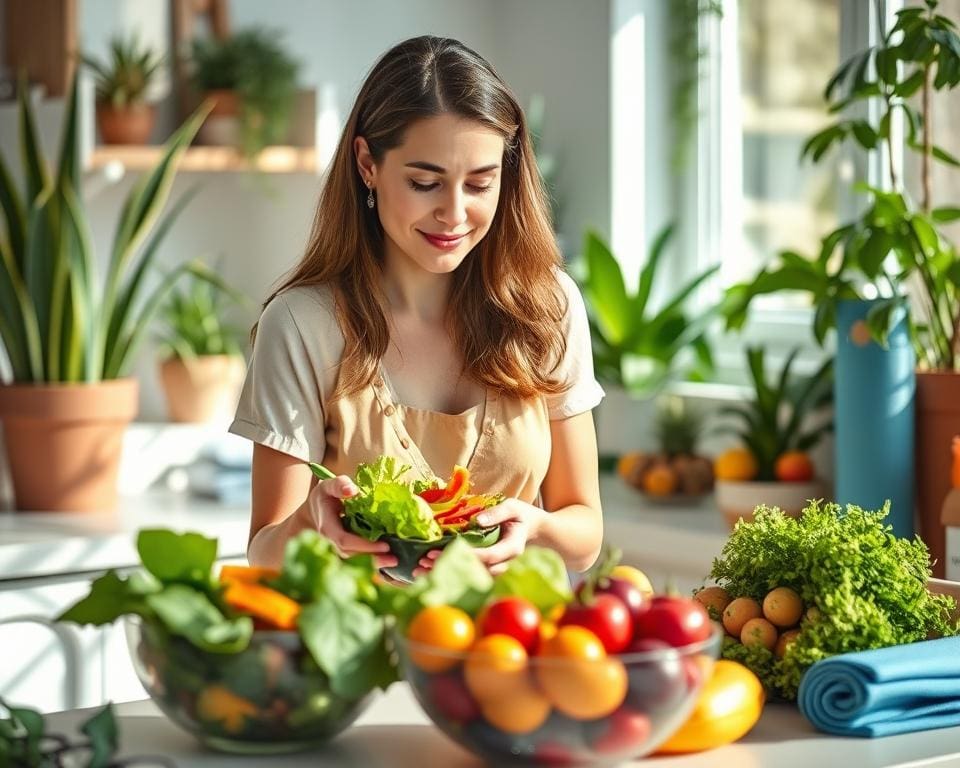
[{"x": 886, "y": 691}]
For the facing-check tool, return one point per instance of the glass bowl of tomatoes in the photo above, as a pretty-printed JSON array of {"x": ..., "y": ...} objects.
[
  {"x": 269, "y": 698},
  {"x": 598, "y": 681}
]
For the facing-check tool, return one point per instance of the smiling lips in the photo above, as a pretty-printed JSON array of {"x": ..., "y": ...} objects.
[{"x": 443, "y": 242}]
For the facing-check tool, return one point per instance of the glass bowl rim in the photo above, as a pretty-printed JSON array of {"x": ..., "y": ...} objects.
[{"x": 712, "y": 644}]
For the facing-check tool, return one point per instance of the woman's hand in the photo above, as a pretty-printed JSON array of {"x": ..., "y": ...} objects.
[
  {"x": 325, "y": 503},
  {"x": 519, "y": 523}
]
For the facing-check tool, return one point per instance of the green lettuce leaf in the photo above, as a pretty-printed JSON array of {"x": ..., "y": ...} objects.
[
  {"x": 539, "y": 575},
  {"x": 390, "y": 508}
]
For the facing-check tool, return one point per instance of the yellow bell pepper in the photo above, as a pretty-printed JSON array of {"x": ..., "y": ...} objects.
[
  {"x": 218, "y": 704},
  {"x": 729, "y": 705}
]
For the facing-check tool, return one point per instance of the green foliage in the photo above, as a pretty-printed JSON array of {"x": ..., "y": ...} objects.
[
  {"x": 25, "y": 741},
  {"x": 255, "y": 65},
  {"x": 122, "y": 80},
  {"x": 895, "y": 241},
  {"x": 868, "y": 585},
  {"x": 776, "y": 420},
  {"x": 635, "y": 346},
  {"x": 678, "y": 426},
  {"x": 57, "y": 324},
  {"x": 193, "y": 320}
]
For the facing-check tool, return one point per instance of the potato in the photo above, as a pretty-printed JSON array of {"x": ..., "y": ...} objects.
[
  {"x": 783, "y": 607},
  {"x": 715, "y": 598},
  {"x": 739, "y": 612},
  {"x": 759, "y": 632},
  {"x": 784, "y": 642}
]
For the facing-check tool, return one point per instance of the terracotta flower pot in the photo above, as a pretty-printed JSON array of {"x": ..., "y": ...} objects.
[
  {"x": 938, "y": 420},
  {"x": 739, "y": 499},
  {"x": 203, "y": 389},
  {"x": 222, "y": 126},
  {"x": 128, "y": 125},
  {"x": 63, "y": 442}
]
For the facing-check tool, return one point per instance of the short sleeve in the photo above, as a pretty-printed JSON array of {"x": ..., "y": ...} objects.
[
  {"x": 576, "y": 367},
  {"x": 281, "y": 403}
]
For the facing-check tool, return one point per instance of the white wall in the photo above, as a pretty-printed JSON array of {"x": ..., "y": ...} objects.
[{"x": 559, "y": 48}]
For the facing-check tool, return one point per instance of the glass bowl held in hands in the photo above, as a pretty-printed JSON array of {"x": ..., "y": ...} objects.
[
  {"x": 270, "y": 698},
  {"x": 559, "y": 711}
]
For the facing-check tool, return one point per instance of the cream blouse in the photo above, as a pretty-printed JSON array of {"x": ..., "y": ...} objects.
[{"x": 504, "y": 441}]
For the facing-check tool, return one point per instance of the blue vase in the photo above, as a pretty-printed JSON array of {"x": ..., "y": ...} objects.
[{"x": 874, "y": 391}]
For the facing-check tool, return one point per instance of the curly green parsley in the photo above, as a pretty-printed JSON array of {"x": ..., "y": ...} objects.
[{"x": 869, "y": 586}]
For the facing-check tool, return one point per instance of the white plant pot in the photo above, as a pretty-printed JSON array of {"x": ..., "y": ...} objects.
[{"x": 738, "y": 499}]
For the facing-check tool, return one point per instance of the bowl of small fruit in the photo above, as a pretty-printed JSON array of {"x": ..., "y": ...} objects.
[
  {"x": 785, "y": 419},
  {"x": 604, "y": 677},
  {"x": 414, "y": 517},
  {"x": 676, "y": 472}
]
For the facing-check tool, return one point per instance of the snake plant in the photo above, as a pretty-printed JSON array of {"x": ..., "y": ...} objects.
[{"x": 58, "y": 321}]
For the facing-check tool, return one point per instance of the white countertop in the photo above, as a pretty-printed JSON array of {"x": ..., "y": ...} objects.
[
  {"x": 395, "y": 732},
  {"x": 44, "y": 544}
]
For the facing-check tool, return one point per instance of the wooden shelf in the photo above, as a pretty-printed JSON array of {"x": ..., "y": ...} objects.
[{"x": 274, "y": 159}]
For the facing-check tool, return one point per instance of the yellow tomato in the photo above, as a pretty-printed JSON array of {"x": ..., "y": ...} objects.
[
  {"x": 524, "y": 710},
  {"x": 635, "y": 576},
  {"x": 441, "y": 632},
  {"x": 728, "y": 707},
  {"x": 495, "y": 667}
]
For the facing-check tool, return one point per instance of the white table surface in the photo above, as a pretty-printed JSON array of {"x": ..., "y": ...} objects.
[{"x": 394, "y": 732}]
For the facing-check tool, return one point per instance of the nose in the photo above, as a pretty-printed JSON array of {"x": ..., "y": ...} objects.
[{"x": 452, "y": 210}]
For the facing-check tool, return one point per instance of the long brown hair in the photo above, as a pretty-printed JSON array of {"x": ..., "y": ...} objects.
[{"x": 508, "y": 300}]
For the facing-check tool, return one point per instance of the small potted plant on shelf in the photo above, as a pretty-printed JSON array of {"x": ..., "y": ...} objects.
[
  {"x": 252, "y": 81},
  {"x": 677, "y": 472},
  {"x": 69, "y": 340},
  {"x": 202, "y": 363},
  {"x": 777, "y": 429},
  {"x": 124, "y": 116}
]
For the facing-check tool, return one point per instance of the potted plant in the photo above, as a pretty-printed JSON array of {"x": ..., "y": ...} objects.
[
  {"x": 68, "y": 339},
  {"x": 202, "y": 363},
  {"x": 123, "y": 114},
  {"x": 777, "y": 429},
  {"x": 896, "y": 249},
  {"x": 252, "y": 82},
  {"x": 637, "y": 349}
]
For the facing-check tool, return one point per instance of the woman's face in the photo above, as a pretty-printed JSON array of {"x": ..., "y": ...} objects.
[{"x": 436, "y": 193}]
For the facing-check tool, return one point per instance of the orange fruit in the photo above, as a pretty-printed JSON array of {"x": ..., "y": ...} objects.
[
  {"x": 438, "y": 634},
  {"x": 660, "y": 480},
  {"x": 736, "y": 464},
  {"x": 627, "y": 465},
  {"x": 793, "y": 467}
]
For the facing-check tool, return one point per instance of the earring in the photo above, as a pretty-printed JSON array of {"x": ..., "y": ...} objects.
[{"x": 371, "y": 201}]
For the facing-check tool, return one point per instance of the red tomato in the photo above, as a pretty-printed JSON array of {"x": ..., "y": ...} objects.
[
  {"x": 625, "y": 732},
  {"x": 607, "y": 617},
  {"x": 675, "y": 620},
  {"x": 628, "y": 592},
  {"x": 450, "y": 696},
  {"x": 513, "y": 616}
]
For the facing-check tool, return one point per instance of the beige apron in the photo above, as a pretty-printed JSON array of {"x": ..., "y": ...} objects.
[{"x": 504, "y": 442}]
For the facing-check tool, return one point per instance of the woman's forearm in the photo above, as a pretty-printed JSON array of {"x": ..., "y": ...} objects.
[
  {"x": 267, "y": 545},
  {"x": 575, "y": 532}
]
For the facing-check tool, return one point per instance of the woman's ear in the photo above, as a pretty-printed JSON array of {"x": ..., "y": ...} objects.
[{"x": 365, "y": 164}]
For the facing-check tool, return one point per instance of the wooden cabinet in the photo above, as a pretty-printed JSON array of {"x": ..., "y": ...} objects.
[{"x": 40, "y": 38}]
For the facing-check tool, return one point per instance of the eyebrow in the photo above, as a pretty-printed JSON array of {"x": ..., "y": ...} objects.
[{"x": 423, "y": 166}]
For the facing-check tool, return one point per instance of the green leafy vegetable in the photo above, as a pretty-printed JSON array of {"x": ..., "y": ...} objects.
[
  {"x": 185, "y": 558},
  {"x": 539, "y": 575},
  {"x": 387, "y": 505},
  {"x": 189, "y": 613},
  {"x": 868, "y": 585}
]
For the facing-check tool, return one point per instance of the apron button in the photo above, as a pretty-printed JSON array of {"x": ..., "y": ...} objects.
[
  {"x": 389, "y": 410},
  {"x": 405, "y": 443},
  {"x": 378, "y": 382},
  {"x": 488, "y": 430}
]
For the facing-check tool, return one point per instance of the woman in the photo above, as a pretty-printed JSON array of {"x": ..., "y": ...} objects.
[{"x": 430, "y": 320}]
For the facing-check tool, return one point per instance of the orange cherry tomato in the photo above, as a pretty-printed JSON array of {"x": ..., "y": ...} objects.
[
  {"x": 523, "y": 710},
  {"x": 495, "y": 667},
  {"x": 578, "y": 677},
  {"x": 440, "y": 632}
]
